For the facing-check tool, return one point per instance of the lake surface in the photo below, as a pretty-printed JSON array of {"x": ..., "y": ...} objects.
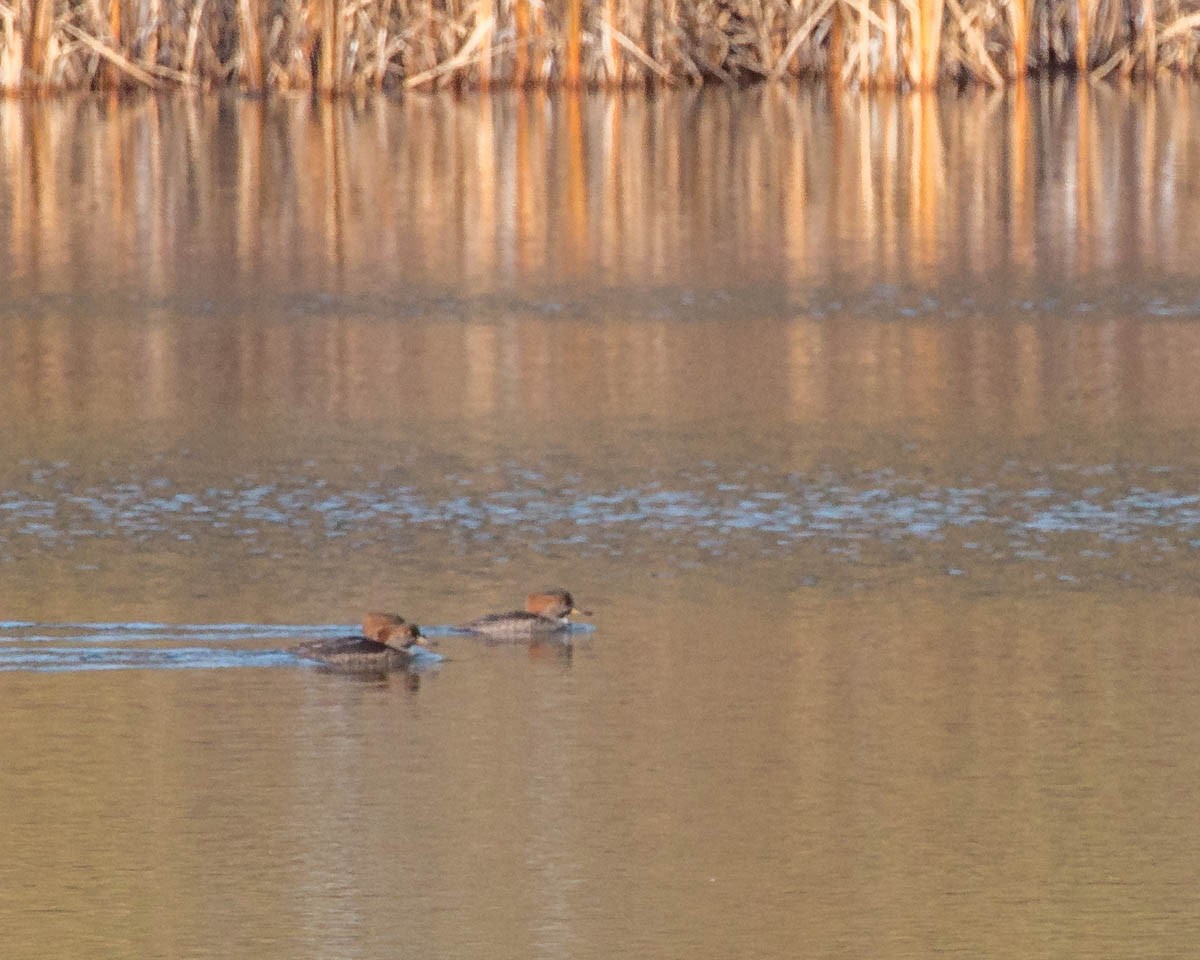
[{"x": 866, "y": 427}]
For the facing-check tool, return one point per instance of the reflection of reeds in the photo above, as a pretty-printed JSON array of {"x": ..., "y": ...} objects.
[
  {"x": 542, "y": 185},
  {"x": 355, "y": 45},
  {"x": 535, "y": 187}
]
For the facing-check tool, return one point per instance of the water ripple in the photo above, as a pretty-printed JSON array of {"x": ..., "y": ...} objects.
[
  {"x": 55, "y": 647},
  {"x": 59, "y": 659},
  {"x": 704, "y": 508}
]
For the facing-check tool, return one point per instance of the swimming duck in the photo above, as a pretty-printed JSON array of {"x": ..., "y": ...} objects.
[
  {"x": 544, "y": 613},
  {"x": 391, "y": 648}
]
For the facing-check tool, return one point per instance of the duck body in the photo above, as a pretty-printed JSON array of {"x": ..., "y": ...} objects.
[
  {"x": 545, "y": 613},
  {"x": 390, "y": 649},
  {"x": 516, "y": 625}
]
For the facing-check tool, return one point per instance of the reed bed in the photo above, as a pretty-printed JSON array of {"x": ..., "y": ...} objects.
[{"x": 355, "y": 46}]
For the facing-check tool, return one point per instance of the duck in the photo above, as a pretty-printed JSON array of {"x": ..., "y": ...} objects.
[
  {"x": 387, "y": 644},
  {"x": 545, "y": 613}
]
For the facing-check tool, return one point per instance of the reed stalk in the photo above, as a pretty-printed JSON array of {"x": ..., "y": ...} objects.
[
  {"x": 39, "y": 56},
  {"x": 614, "y": 66},
  {"x": 467, "y": 55},
  {"x": 651, "y": 28},
  {"x": 122, "y": 67},
  {"x": 837, "y": 42},
  {"x": 383, "y": 20},
  {"x": 572, "y": 66},
  {"x": 931, "y": 34},
  {"x": 1149, "y": 35},
  {"x": 658, "y": 71},
  {"x": 330, "y": 47},
  {"x": 153, "y": 25},
  {"x": 973, "y": 43},
  {"x": 110, "y": 76},
  {"x": 1081, "y": 36},
  {"x": 1018, "y": 13},
  {"x": 538, "y": 42},
  {"x": 485, "y": 15},
  {"x": 253, "y": 65},
  {"x": 193, "y": 38},
  {"x": 863, "y": 43},
  {"x": 802, "y": 34},
  {"x": 890, "y": 64},
  {"x": 520, "y": 75}
]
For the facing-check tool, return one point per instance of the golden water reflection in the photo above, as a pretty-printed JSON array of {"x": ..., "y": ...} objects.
[
  {"x": 471, "y": 194},
  {"x": 982, "y": 257},
  {"x": 1005, "y": 380}
]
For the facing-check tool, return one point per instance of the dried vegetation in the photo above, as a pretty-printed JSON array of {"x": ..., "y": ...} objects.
[{"x": 346, "y": 46}]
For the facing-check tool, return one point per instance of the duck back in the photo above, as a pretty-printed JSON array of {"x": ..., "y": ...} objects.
[{"x": 355, "y": 654}]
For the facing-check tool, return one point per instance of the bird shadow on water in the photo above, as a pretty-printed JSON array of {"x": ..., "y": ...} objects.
[{"x": 410, "y": 679}]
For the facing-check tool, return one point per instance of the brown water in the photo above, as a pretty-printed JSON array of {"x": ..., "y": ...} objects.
[{"x": 866, "y": 428}]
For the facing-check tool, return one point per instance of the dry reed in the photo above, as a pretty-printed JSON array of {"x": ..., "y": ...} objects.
[{"x": 352, "y": 46}]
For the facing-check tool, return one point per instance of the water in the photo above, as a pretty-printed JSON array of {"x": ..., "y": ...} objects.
[{"x": 864, "y": 427}]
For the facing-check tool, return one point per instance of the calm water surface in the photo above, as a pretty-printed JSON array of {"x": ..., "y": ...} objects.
[{"x": 866, "y": 428}]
